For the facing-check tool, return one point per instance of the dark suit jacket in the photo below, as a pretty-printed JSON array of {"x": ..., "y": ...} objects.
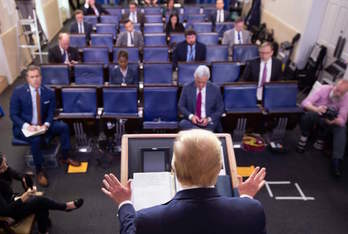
[
  {"x": 55, "y": 56},
  {"x": 116, "y": 76},
  {"x": 180, "y": 52},
  {"x": 179, "y": 28},
  {"x": 252, "y": 70},
  {"x": 196, "y": 211},
  {"x": 21, "y": 110},
  {"x": 87, "y": 27},
  {"x": 214, "y": 105},
  {"x": 140, "y": 18},
  {"x": 8, "y": 207},
  {"x": 90, "y": 11}
]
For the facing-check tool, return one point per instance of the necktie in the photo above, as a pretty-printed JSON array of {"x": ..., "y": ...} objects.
[
  {"x": 64, "y": 56},
  {"x": 221, "y": 18},
  {"x": 199, "y": 104},
  {"x": 239, "y": 38},
  {"x": 264, "y": 75},
  {"x": 218, "y": 16},
  {"x": 38, "y": 107},
  {"x": 190, "y": 57},
  {"x": 79, "y": 27}
]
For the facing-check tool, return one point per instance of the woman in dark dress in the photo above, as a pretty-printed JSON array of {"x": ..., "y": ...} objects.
[
  {"x": 18, "y": 206},
  {"x": 174, "y": 26},
  {"x": 122, "y": 73}
]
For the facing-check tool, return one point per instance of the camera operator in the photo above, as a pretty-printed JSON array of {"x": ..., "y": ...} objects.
[{"x": 326, "y": 108}]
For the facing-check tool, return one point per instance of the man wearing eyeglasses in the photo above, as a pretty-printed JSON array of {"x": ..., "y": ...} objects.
[{"x": 264, "y": 69}]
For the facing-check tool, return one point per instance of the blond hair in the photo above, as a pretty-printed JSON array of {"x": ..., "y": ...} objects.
[{"x": 197, "y": 157}]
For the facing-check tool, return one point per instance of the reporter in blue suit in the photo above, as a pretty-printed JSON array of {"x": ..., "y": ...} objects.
[
  {"x": 189, "y": 50},
  {"x": 32, "y": 107},
  {"x": 201, "y": 103},
  {"x": 196, "y": 207}
]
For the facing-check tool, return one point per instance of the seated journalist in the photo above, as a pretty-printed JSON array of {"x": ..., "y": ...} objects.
[
  {"x": 197, "y": 207},
  {"x": 32, "y": 108},
  {"x": 18, "y": 206},
  {"x": 122, "y": 73}
]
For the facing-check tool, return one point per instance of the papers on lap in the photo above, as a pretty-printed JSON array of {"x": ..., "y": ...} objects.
[
  {"x": 152, "y": 188},
  {"x": 27, "y": 133}
]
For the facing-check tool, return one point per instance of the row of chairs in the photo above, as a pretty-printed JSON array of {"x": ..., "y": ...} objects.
[
  {"x": 153, "y": 73},
  {"x": 241, "y": 53},
  {"x": 199, "y": 27},
  {"x": 159, "y": 108}
]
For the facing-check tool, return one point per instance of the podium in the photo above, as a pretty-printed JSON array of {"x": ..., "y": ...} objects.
[{"x": 159, "y": 147}]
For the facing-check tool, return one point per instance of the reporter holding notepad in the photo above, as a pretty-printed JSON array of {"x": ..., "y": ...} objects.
[
  {"x": 17, "y": 207},
  {"x": 32, "y": 108},
  {"x": 197, "y": 207}
]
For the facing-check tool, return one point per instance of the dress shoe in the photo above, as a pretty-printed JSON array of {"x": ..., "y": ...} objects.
[
  {"x": 42, "y": 179},
  {"x": 71, "y": 162},
  {"x": 335, "y": 167},
  {"x": 78, "y": 203}
]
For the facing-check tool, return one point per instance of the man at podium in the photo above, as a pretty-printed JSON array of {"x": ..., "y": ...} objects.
[{"x": 197, "y": 207}]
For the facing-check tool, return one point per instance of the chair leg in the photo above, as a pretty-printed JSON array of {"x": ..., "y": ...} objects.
[
  {"x": 120, "y": 130},
  {"x": 239, "y": 132},
  {"x": 279, "y": 131},
  {"x": 83, "y": 145}
]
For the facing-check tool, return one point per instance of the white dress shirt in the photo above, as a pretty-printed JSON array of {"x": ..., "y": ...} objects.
[
  {"x": 133, "y": 17},
  {"x": 220, "y": 18},
  {"x": 268, "y": 77},
  {"x": 34, "y": 120}
]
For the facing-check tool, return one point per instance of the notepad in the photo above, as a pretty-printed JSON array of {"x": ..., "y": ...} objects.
[
  {"x": 27, "y": 133},
  {"x": 80, "y": 169}
]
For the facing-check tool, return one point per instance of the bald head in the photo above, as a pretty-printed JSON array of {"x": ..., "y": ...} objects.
[{"x": 64, "y": 40}]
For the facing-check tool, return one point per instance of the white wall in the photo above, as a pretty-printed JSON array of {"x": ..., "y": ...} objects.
[
  {"x": 303, "y": 16},
  {"x": 292, "y": 12}
]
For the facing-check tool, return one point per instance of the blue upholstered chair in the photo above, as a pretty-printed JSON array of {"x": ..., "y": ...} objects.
[
  {"x": 224, "y": 72},
  {"x": 220, "y": 28},
  {"x": 155, "y": 39},
  {"x": 91, "y": 19},
  {"x": 156, "y": 54},
  {"x": 89, "y": 74},
  {"x": 79, "y": 103},
  {"x": 243, "y": 53},
  {"x": 158, "y": 73},
  {"x": 203, "y": 27},
  {"x": 241, "y": 98},
  {"x": 96, "y": 55},
  {"x": 160, "y": 108},
  {"x": 153, "y": 28},
  {"x": 102, "y": 40},
  {"x": 120, "y": 102},
  {"x": 280, "y": 97},
  {"x": 55, "y": 74},
  {"x": 109, "y": 19},
  {"x": 217, "y": 53},
  {"x": 153, "y": 18},
  {"x": 78, "y": 40},
  {"x": 208, "y": 38},
  {"x": 107, "y": 28},
  {"x": 152, "y": 10}
]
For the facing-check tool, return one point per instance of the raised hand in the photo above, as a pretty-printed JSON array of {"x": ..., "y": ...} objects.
[
  {"x": 254, "y": 183},
  {"x": 115, "y": 190}
]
